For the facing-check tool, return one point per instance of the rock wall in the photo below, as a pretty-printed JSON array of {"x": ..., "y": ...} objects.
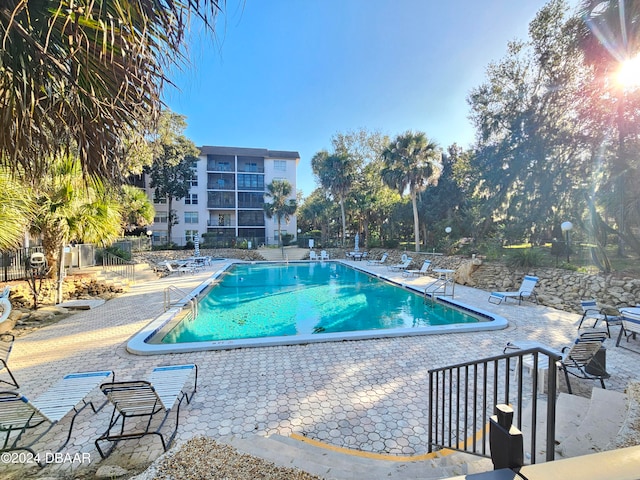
[
  {"x": 558, "y": 288},
  {"x": 562, "y": 289}
]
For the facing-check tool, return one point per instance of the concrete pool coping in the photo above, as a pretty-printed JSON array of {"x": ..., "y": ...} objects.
[{"x": 140, "y": 343}]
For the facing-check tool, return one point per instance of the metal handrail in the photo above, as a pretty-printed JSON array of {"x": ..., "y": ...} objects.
[
  {"x": 186, "y": 299},
  {"x": 462, "y": 397},
  {"x": 118, "y": 265}
]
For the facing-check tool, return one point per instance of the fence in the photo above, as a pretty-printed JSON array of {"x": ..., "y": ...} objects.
[{"x": 13, "y": 263}]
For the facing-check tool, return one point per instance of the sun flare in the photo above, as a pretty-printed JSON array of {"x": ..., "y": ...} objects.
[{"x": 628, "y": 75}]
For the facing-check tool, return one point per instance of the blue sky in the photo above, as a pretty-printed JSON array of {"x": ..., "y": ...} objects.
[{"x": 288, "y": 74}]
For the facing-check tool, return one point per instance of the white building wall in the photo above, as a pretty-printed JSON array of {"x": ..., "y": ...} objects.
[
  {"x": 289, "y": 174},
  {"x": 185, "y": 209}
]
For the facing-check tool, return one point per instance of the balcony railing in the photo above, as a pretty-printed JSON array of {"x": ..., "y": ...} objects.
[
  {"x": 224, "y": 205},
  {"x": 250, "y": 169},
  {"x": 215, "y": 167},
  {"x": 219, "y": 186},
  {"x": 251, "y": 205},
  {"x": 215, "y": 223}
]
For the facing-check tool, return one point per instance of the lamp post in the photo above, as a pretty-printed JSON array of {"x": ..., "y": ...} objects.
[
  {"x": 149, "y": 233},
  {"x": 447, "y": 230},
  {"x": 566, "y": 228}
]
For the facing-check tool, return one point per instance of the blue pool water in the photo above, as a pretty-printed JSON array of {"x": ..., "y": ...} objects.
[{"x": 307, "y": 299}]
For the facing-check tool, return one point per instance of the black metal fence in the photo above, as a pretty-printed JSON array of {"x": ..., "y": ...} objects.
[
  {"x": 463, "y": 397},
  {"x": 13, "y": 263}
]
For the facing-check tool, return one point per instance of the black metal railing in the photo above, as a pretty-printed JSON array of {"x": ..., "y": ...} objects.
[
  {"x": 13, "y": 263},
  {"x": 463, "y": 397},
  {"x": 119, "y": 266}
]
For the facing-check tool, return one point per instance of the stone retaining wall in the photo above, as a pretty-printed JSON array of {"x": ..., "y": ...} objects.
[{"x": 558, "y": 288}]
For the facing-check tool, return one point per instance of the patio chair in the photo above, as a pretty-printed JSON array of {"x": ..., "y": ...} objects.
[
  {"x": 630, "y": 321},
  {"x": 181, "y": 269},
  {"x": 313, "y": 255},
  {"x": 156, "y": 397},
  {"x": 19, "y": 414},
  {"x": 580, "y": 358},
  {"x": 525, "y": 291},
  {"x": 401, "y": 266},
  {"x": 426, "y": 265},
  {"x": 380, "y": 261},
  {"x": 590, "y": 311},
  {"x": 324, "y": 255},
  {"x": 5, "y": 304},
  {"x": 6, "y": 344}
]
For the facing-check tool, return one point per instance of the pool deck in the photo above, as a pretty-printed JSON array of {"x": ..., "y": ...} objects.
[{"x": 369, "y": 395}]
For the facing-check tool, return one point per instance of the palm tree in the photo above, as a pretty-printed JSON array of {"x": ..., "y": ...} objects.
[
  {"x": 73, "y": 207},
  {"x": 336, "y": 173},
  {"x": 138, "y": 210},
  {"x": 75, "y": 75},
  {"x": 282, "y": 207},
  {"x": 411, "y": 161},
  {"x": 16, "y": 211}
]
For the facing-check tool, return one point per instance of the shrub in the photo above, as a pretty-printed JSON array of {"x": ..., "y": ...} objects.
[
  {"x": 525, "y": 258},
  {"x": 391, "y": 243},
  {"x": 118, "y": 252},
  {"x": 286, "y": 239}
]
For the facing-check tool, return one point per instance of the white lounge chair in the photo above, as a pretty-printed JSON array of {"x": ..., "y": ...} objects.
[
  {"x": 525, "y": 291},
  {"x": 5, "y": 304},
  {"x": 401, "y": 266},
  {"x": 313, "y": 255},
  {"x": 426, "y": 265},
  {"x": 378, "y": 262},
  {"x": 324, "y": 255},
  {"x": 19, "y": 414},
  {"x": 181, "y": 269},
  {"x": 591, "y": 311},
  {"x": 160, "y": 395},
  {"x": 6, "y": 344},
  {"x": 630, "y": 321}
]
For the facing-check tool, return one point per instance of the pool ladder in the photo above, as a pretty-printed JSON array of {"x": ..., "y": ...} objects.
[
  {"x": 438, "y": 287},
  {"x": 186, "y": 299}
]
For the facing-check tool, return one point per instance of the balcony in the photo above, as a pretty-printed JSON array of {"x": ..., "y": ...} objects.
[
  {"x": 219, "y": 167},
  {"x": 217, "y": 224},
  {"x": 251, "y": 168},
  {"x": 256, "y": 205},
  {"x": 221, "y": 204},
  {"x": 220, "y": 186}
]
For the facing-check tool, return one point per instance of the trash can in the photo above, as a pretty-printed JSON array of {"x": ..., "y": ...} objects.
[{"x": 598, "y": 364}]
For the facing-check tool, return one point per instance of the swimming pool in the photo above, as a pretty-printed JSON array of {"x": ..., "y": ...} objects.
[{"x": 265, "y": 304}]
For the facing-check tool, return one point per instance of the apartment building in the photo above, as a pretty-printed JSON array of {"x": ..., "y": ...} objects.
[{"x": 226, "y": 199}]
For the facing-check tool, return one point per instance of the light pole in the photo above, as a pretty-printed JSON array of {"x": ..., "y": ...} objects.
[
  {"x": 566, "y": 228},
  {"x": 447, "y": 230},
  {"x": 149, "y": 233}
]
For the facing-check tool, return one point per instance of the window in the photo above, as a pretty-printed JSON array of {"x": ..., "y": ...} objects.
[
  {"x": 190, "y": 217},
  {"x": 250, "y": 218},
  {"x": 191, "y": 199},
  {"x": 191, "y": 235},
  {"x": 276, "y": 234},
  {"x": 160, "y": 200},
  {"x": 161, "y": 217},
  {"x": 280, "y": 165},
  {"x": 251, "y": 182},
  {"x": 193, "y": 181}
]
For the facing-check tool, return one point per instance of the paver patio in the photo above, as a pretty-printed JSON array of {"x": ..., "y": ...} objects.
[{"x": 369, "y": 395}]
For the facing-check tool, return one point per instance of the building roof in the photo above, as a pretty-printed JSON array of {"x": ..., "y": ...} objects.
[{"x": 249, "y": 152}]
